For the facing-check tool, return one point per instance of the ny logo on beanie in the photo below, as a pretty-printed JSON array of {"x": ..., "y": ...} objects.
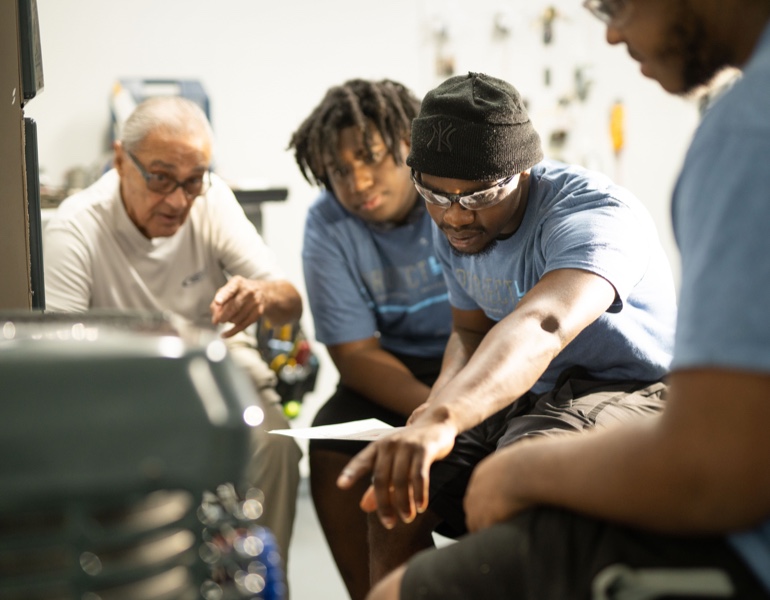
[
  {"x": 442, "y": 133},
  {"x": 473, "y": 127}
]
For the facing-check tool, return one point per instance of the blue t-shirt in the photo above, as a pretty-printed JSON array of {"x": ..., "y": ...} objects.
[
  {"x": 721, "y": 210},
  {"x": 365, "y": 280},
  {"x": 578, "y": 219}
]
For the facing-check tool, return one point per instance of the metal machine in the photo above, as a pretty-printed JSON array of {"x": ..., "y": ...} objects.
[{"x": 122, "y": 444}]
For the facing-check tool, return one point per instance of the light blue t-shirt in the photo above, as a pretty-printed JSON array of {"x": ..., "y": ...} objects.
[
  {"x": 364, "y": 280},
  {"x": 578, "y": 219},
  {"x": 721, "y": 212}
]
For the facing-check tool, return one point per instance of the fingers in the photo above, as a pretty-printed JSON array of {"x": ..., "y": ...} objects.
[
  {"x": 239, "y": 302},
  {"x": 222, "y": 304},
  {"x": 420, "y": 477},
  {"x": 400, "y": 467},
  {"x": 359, "y": 465},
  {"x": 227, "y": 291},
  {"x": 242, "y": 319},
  {"x": 391, "y": 494},
  {"x": 377, "y": 460},
  {"x": 368, "y": 502},
  {"x": 402, "y": 492},
  {"x": 384, "y": 482}
]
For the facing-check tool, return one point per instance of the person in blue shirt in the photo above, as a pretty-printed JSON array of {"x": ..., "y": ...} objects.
[
  {"x": 563, "y": 310},
  {"x": 375, "y": 287},
  {"x": 676, "y": 504}
]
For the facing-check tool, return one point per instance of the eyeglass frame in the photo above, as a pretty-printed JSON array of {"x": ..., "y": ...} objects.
[
  {"x": 616, "y": 17},
  {"x": 506, "y": 185},
  {"x": 146, "y": 175}
]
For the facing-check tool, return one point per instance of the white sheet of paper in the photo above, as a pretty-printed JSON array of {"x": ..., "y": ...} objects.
[{"x": 364, "y": 430}]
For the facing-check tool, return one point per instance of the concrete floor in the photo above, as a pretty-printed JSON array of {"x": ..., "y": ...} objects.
[{"x": 312, "y": 573}]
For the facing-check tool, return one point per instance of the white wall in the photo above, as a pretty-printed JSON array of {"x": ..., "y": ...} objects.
[{"x": 265, "y": 65}]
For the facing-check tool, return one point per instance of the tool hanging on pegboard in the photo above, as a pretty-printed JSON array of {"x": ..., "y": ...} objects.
[
  {"x": 617, "y": 135},
  {"x": 549, "y": 18},
  {"x": 442, "y": 40},
  {"x": 547, "y": 21}
]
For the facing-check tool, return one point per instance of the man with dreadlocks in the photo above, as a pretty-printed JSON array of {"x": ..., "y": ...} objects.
[{"x": 375, "y": 288}]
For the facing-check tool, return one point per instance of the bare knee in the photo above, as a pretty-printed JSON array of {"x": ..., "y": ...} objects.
[
  {"x": 389, "y": 549},
  {"x": 388, "y": 588},
  {"x": 327, "y": 464}
]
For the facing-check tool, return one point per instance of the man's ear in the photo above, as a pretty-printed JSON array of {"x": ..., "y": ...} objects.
[{"x": 119, "y": 157}]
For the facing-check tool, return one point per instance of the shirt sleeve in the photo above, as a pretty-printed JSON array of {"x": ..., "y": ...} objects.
[
  {"x": 604, "y": 234},
  {"x": 721, "y": 216},
  {"x": 336, "y": 292},
  {"x": 239, "y": 246},
  {"x": 67, "y": 269}
]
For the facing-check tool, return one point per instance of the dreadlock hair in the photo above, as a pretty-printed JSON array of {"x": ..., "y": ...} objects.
[{"x": 389, "y": 105}]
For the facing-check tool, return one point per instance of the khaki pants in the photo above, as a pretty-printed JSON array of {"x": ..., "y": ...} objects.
[{"x": 274, "y": 465}]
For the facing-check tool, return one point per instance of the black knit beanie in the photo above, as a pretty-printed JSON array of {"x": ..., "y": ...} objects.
[{"x": 473, "y": 127}]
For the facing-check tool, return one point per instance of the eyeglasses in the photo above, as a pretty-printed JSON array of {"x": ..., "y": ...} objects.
[
  {"x": 478, "y": 200},
  {"x": 610, "y": 12},
  {"x": 160, "y": 183}
]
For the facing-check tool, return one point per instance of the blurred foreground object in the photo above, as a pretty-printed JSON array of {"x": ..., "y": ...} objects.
[{"x": 113, "y": 429}]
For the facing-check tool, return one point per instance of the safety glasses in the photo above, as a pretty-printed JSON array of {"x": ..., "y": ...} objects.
[
  {"x": 478, "y": 200},
  {"x": 610, "y": 12}
]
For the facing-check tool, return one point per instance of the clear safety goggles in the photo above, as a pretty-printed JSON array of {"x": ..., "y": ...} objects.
[
  {"x": 478, "y": 200},
  {"x": 610, "y": 12}
]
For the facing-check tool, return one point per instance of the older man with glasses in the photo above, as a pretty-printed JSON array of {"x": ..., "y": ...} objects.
[
  {"x": 563, "y": 310},
  {"x": 160, "y": 232}
]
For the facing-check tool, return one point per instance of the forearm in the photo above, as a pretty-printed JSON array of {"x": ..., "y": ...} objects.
[
  {"x": 517, "y": 350},
  {"x": 700, "y": 467},
  {"x": 456, "y": 356},
  {"x": 506, "y": 364},
  {"x": 283, "y": 303},
  {"x": 379, "y": 376},
  {"x": 606, "y": 474}
]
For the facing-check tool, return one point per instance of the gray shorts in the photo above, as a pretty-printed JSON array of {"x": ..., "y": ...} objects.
[
  {"x": 551, "y": 554},
  {"x": 576, "y": 403}
]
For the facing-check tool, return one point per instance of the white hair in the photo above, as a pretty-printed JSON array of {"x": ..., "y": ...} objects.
[{"x": 174, "y": 114}]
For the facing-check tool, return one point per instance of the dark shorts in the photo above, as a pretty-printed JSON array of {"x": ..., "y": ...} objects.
[
  {"x": 346, "y": 405},
  {"x": 550, "y": 554},
  {"x": 576, "y": 403}
]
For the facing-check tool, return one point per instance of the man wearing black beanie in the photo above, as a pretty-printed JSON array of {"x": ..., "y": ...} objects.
[
  {"x": 676, "y": 504},
  {"x": 563, "y": 310}
]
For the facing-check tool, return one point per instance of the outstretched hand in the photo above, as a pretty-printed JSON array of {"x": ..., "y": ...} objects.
[
  {"x": 240, "y": 301},
  {"x": 400, "y": 465}
]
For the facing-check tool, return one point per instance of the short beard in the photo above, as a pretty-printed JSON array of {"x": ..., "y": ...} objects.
[
  {"x": 701, "y": 57},
  {"x": 485, "y": 251}
]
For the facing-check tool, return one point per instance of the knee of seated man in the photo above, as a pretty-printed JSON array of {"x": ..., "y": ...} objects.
[{"x": 272, "y": 446}]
